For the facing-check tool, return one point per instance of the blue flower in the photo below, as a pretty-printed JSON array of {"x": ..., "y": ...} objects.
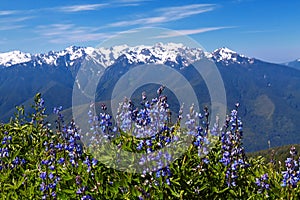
[
  {"x": 80, "y": 190},
  {"x": 87, "y": 197},
  {"x": 53, "y": 194},
  {"x": 87, "y": 161},
  {"x": 51, "y": 176},
  {"x": 61, "y": 160},
  {"x": 94, "y": 161},
  {"x": 45, "y": 162},
  {"x": 233, "y": 155},
  {"x": 16, "y": 161},
  {"x": 262, "y": 183},
  {"x": 52, "y": 185},
  {"x": 140, "y": 145},
  {"x": 158, "y": 174},
  {"x": 205, "y": 160},
  {"x": 59, "y": 146},
  {"x": 168, "y": 181},
  {"x": 149, "y": 143},
  {"x": 51, "y": 167},
  {"x": 292, "y": 174},
  {"x": 43, "y": 175},
  {"x": 43, "y": 187}
]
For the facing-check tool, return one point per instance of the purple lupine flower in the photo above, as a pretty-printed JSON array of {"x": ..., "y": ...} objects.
[
  {"x": 43, "y": 175},
  {"x": 53, "y": 194},
  {"x": 94, "y": 162},
  {"x": 87, "y": 197},
  {"x": 61, "y": 160},
  {"x": 16, "y": 161},
  {"x": 87, "y": 161},
  {"x": 59, "y": 146},
  {"x": 195, "y": 129},
  {"x": 43, "y": 187},
  {"x": 140, "y": 145},
  {"x": 292, "y": 174},
  {"x": 51, "y": 176},
  {"x": 168, "y": 181},
  {"x": 51, "y": 167},
  {"x": 141, "y": 198},
  {"x": 233, "y": 156},
  {"x": 81, "y": 190},
  {"x": 45, "y": 162},
  {"x": 262, "y": 183}
]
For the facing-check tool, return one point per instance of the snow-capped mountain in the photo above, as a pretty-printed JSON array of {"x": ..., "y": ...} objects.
[
  {"x": 158, "y": 53},
  {"x": 69, "y": 56},
  {"x": 14, "y": 57},
  {"x": 228, "y": 56}
]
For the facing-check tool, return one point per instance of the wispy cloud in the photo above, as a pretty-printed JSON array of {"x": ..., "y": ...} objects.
[
  {"x": 144, "y": 21},
  {"x": 13, "y": 23},
  {"x": 10, "y": 27},
  {"x": 82, "y": 7},
  {"x": 167, "y": 14},
  {"x": 191, "y": 31},
  {"x": 127, "y": 3},
  {"x": 7, "y": 12},
  {"x": 15, "y": 19},
  {"x": 180, "y": 12},
  {"x": 94, "y": 7},
  {"x": 70, "y": 33}
]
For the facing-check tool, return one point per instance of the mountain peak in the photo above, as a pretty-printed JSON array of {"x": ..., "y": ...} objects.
[
  {"x": 228, "y": 56},
  {"x": 224, "y": 50},
  {"x": 224, "y": 53},
  {"x": 14, "y": 57}
]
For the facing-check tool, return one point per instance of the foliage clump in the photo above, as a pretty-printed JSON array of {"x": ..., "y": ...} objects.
[{"x": 38, "y": 161}]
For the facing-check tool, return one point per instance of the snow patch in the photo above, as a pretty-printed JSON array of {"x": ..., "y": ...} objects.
[{"x": 14, "y": 57}]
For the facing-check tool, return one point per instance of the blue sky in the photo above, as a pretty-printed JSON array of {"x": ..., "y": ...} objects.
[{"x": 265, "y": 29}]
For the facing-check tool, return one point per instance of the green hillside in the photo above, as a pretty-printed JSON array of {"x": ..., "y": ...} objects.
[{"x": 276, "y": 154}]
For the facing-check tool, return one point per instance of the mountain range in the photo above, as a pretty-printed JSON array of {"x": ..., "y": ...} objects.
[{"x": 268, "y": 93}]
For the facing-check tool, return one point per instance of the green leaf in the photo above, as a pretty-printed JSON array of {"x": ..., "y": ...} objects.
[
  {"x": 231, "y": 191},
  {"x": 68, "y": 191}
]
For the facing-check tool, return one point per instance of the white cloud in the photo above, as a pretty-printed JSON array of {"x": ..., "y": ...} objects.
[
  {"x": 93, "y": 7},
  {"x": 7, "y": 12},
  {"x": 83, "y": 7},
  {"x": 190, "y": 31},
  {"x": 70, "y": 33},
  {"x": 144, "y": 21},
  {"x": 15, "y": 19},
  {"x": 167, "y": 14},
  {"x": 187, "y": 8},
  {"x": 13, "y": 23}
]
